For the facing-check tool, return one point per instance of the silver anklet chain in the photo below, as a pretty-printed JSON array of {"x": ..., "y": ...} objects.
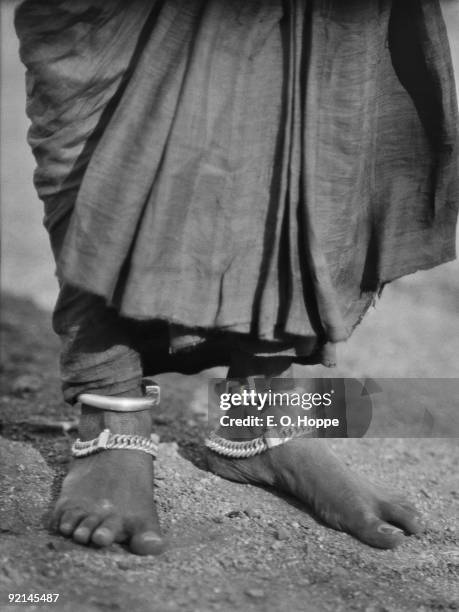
[
  {"x": 239, "y": 450},
  {"x": 108, "y": 441},
  {"x": 256, "y": 446}
]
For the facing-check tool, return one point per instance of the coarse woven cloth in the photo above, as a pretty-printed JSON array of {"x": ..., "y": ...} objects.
[{"x": 255, "y": 167}]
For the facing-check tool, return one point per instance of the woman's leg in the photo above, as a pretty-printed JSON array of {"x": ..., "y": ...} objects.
[
  {"x": 307, "y": 469},
  {"x": 108, "y": 496}
]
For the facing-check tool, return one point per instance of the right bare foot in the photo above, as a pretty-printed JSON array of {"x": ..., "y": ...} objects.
[
  {"x": 307, "y": 469},
  {"x": 108, "y": 497}
]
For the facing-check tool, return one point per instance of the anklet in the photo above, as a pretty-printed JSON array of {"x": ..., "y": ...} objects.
[
  {"x": 239, "y": 450},
  {"x": 119, "y": 404},
  {"x": 108, "y": 441},
  {"x": 250, "y": 448}
]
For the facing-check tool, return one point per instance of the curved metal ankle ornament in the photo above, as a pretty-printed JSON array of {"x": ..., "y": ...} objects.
[
  {"x": 108, "y": 441},
  {"x": 152, "y": 397}
]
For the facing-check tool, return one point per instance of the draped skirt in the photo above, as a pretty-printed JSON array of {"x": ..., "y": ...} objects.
[{"x": 245, "y": 167}]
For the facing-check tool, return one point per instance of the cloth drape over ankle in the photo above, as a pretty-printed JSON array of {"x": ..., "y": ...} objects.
[{"x": 260, "y": 167}]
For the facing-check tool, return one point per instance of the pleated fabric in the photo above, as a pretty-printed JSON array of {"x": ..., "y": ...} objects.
[{"x": 258, "y": 167}]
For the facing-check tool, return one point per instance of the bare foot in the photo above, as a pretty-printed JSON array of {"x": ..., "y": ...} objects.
[
  {"x": 307, "y": 469},
  {"x": 108, "y": 497}
]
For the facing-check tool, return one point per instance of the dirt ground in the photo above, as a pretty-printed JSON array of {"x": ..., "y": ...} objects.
[{"x": 231, "y": 547}]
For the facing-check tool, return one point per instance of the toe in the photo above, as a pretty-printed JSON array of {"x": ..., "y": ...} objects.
[
  {"x": 55, "y": 520},
  {"x": 404, "y": 516},
  {"x": 107, "y": 532},
  {"x": 147, "y": 543},
  {"x": 62, "y": 506},
  {"x": 83, "y": 532},
  {"x": 69, "y": 520},
  {"x": 379, "y": 534},
  {"x": 146, "y": 539}
]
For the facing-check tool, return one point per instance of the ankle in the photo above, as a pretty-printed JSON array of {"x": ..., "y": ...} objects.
[{"x": 93, "y": 421}]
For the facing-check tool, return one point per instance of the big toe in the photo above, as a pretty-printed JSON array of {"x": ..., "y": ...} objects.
[
  {"x": 379, "y": 533},
  {"x": 146, "y": 539},
  {"x": 403, "y": 515}
]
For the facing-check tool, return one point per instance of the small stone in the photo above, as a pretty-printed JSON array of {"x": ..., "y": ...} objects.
[
  {"x": 281, "y": 534},
  {"x": 292, "y": 562},
  {"x": 45, "y": 569},
  {"x": 235, "y": 514},
  {"x": 255, "y": 593},
  {"x": 217, "y": 519},
  {"x": 123, "y": 564},
  {"x": 425, "y": 493},
  {"x": 254, "y": 513},
  {"x": 27, "y": 383}
]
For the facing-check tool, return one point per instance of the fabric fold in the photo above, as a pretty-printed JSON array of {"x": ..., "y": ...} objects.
[{"x": 245, "y": 167}]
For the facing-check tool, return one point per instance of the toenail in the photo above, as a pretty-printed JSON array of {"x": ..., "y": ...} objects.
[
  {"x": 151, "y": 537},
  {"x": 103, "y": 532},
  {"x": 102, "y": 537},
  {"x": 388, "y": 530}
]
